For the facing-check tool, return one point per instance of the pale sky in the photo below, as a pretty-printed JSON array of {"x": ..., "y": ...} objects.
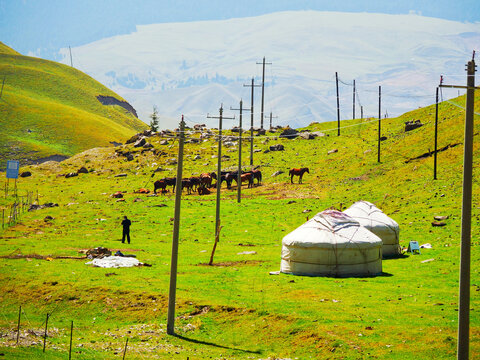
[{"x": 42, "y": 27}]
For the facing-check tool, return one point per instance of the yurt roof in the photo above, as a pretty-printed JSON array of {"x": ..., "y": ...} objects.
[{"x": 329, "y": 229}]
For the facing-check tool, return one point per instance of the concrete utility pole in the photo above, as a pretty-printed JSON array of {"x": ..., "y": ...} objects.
[
  {"x": 436, "y": 134},
  {"x": 354, "y": 99},
  {"x": 251, "y": 120},
  {"x": 176, "y": 230},
  {"x": 271, "y": 117},
  {"x": 361, "y": 112},
  {"x": 263, "y": 89},
  {"x": 338, "y": 104},
  {"x": 71, "y": 61},
  {"x": 219, "y": 165},
  {"x": 239, "y": 182},
  {"x": 464, "y": 287},
  {"x": 379, "y": 119}
]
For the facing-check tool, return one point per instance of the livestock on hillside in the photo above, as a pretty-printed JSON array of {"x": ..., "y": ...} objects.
[{"x": 299, "y": 173}]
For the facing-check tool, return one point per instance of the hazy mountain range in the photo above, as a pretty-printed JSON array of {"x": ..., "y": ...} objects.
[{"x": 191, "y": 68}]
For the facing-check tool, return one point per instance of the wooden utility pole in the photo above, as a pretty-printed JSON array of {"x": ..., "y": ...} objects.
[
  {"x": 251, "y": 120},
  {"x": 271, "y": 117},
  {"x": 239, "y": 174},
  {"x": 436, "y": 134},
  {"x": 338, "y": 104},
  {"x": 219, "y": 164},
  {"x": 354, "y": 99},
  {"x": 379, "y": 119},
  {"x": 361, "y": 112},
  {"x": 176, "y": 230},
  {"x": 263, "y": 89}
]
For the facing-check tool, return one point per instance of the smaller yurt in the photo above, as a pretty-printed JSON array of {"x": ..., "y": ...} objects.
[
  {"x": 331, "y": 244},
  {"x": 379, "y": 223}
]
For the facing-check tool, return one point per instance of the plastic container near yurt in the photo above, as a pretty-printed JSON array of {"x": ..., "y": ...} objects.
[
  {"x": 379, "y": 223},
  {"x": 331, "y": 244}
]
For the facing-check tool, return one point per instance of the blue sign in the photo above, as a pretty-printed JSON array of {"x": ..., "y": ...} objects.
[{"x": 12, "y": 169}]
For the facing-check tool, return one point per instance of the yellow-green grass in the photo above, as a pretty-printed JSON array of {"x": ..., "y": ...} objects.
[
  {"x": 51, "y": 109},
  {"x": 235, "y": 309}
]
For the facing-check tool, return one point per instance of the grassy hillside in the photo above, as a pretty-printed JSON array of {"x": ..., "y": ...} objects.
[
  {"x": 48, "y": 108},
  {"x": 236, "y": 309}
]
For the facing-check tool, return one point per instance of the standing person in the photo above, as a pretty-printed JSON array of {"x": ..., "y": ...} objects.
[{"x": 126, "y": 229}]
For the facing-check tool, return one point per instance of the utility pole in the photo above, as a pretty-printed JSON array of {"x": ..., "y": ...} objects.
[
  {"x": 3, "y": 83},
  {"x": 271, "y": 117},
  {"x": 436, "y": 133},
  {"x": 338, "y": 104},
  {"x": 361, "y": 112},
  {"x": 251, "y": 120},
  {"x": 71, "y": 61},
  {"x": 379, "y": 119},
  {"x": 219, "y": 167},
  {"x": 354, "y": 99},
  {"x": 464, "y": 287},
  {"x": 176, "y": 230},
  {"x": 239, "y": 182},
  {"x": 263, "y": 89}
]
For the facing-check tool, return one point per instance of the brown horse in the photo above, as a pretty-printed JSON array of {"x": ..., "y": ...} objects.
[
  {"x": 206, "y": 179},
  {"x": 257, "y": 174},
  {"x": 247, "y": 177},
  {"x": 298, "y": 172}
]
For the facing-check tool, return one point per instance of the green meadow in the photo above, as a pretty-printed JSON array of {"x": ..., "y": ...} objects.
[{"x": 235, "y": 309}]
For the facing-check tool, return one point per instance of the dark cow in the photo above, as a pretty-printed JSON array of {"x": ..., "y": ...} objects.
[
  {"x": 186, "y": 183},
  {"x": 196, "y": 181},
  {"x": 160, "y": 184}
]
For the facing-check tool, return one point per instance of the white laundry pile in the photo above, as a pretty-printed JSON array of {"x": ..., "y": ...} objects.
[{"x": 114, "y": 262}]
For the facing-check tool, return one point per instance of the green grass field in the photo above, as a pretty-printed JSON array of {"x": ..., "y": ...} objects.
[
  {"x": 51, "y": 109},
  {"x": 236, "y": 309}
]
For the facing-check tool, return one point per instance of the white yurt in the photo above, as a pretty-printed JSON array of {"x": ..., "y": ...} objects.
[
  {"x": 379, "y": 223},
  {"x": 331, "y": 244}
]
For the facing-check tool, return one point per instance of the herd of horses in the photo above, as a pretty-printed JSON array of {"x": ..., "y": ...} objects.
[{"x": 204, "y": 182}]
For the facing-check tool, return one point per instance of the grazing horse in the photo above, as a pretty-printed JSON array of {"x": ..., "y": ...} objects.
[
  {"x": 196, "y": 181},
  {"x": 298, "y": 172},
  {"x": 229, "y": 177},
  {"x": 171, "y": 181},
  {"x": 186, "y": 183},
  {"x": 257, "y": 174},
  {"x": 159, "y": 184},
  {"x": 247, "y": 177},
  {"x": 206, "y": 179}
]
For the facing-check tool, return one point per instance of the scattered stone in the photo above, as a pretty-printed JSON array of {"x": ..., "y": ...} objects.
[
  {"x": 137, "y": 200},
  {"x": 440, "y": 218},
  {"x": 197, "y": 157},
  {"x": 172, "y": 161},
  {"x": 82, "y": 170},
  {"x": 147, "y": 146},
  {"x": 289, "y": 133},
  {"x": 332, "y": 151},
  {"x": 164, "y": 142},
  {"x": 120, "y": 200},
  {"x": 306, "y": 211},
  {"x": 247, "y": 253},
  {"x": 140, "y": 142},
  {"x": 46, "y": 205},
  {"x": 25, "y": 174},
  {"x": 308, "y": 135},
  {"x": 48, "y": 218},
  {"x": 120, "y": 175},
  {"x": 261, "y": 132},
  {"x": 72, "y": 174},
  {"x": 133, "y": 139},
  {"x": 257, "y": 150},
  {"x": 412, "y": 125},
  {"x": 383, "y": 138},
  {"x": 278, "y": 147},
  {"x": 291, "y": 202},
  {"x": 266, "y": 151},
  {"x": 129, "y": 156},
  {"x": 438, "y": 223},
  {"x": 276, "y": 173}
]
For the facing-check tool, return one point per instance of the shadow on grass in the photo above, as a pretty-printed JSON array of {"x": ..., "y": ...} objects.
[
  {"x": 215, "y": 345},
  {"x": 396, "y": 257}
]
